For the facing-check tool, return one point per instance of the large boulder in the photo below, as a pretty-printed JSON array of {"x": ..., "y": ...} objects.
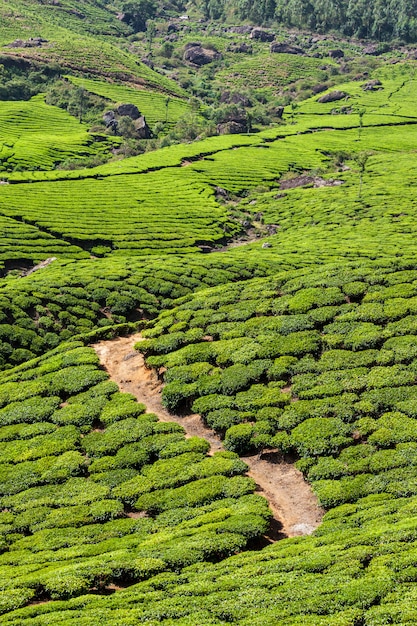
[
  {"x": 32, "y": 42},
  {"x": 142, "y": 129},
  {"x": 285, "y": 48},
  {"x": 148, "y": 62},
  {"x": 232, "y": 128},
  {"x": 108, "y": 117},
  {"x": 375, "y": 49},
  {"x": 332, "y": 96},
  {"x": 262, "y": 35},
  {"x": 372, "y": 85},
  {"x": 336, "y": 54},
  {"x": 197, "y": 55},
  {"x": 129, "y": 110}
]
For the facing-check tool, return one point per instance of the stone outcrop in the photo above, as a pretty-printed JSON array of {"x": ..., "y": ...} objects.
[
  {"x": 262, "y": 35},
  {"x": 332, "y": 96},
  {"x": 129, "y": 110},
  {"x": 197, "y": 55},
  {"x": 285, "y": 48}
]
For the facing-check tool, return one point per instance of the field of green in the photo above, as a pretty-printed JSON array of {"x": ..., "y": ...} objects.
[
  {"x": 305, "y": 349},
  {"x": 156, "y": 107},
  {"x": 35, "y": 135},
  {"x": 130, "y": 194},
  {"x": 82, "y": 36}
]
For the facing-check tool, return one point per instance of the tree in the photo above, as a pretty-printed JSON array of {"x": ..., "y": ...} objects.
[
  {"x": 137, "y": 12},
  {"x": 361, "y": 160}
]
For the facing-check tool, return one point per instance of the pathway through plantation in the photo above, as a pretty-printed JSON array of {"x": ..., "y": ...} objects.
[{"x": 291, "y": 500}]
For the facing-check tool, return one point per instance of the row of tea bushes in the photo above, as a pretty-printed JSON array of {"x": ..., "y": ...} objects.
[
  {"x": 36, "y": 135},
  {"x": 359, "y": 568},
  {"x": 65, "y": 299},
  {"x": 95, "y": 492},
  {"x": 322, "y": 365}
]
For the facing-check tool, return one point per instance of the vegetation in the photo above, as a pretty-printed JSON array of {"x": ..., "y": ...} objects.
[{"x": 261, "y": 235}]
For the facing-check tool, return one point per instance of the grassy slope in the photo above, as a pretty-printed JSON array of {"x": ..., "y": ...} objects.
[
  {"x": 81, "y": 36},
  {"x": 35, "y": 135},
  {"x": 340, "y": 335}
]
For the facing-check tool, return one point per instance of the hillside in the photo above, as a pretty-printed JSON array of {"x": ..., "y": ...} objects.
[{"x": 208, "y": 317}]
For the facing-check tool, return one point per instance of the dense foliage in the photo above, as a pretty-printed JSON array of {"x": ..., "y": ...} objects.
[
  {"x": 377, "y": 20},
  {"x": 294, "y": 336}
]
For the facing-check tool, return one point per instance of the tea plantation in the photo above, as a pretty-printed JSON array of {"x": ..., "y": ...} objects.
[{"x": 272, "y": 274}]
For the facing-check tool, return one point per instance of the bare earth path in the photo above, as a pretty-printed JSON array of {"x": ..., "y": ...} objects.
[{"x": 290, "y": 498}]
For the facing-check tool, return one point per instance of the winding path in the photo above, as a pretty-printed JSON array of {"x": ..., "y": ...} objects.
[{"x": 291, "y": 500}]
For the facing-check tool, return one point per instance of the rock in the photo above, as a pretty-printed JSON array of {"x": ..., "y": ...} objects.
[
  {"x": 228, "y": 97},
  {"x": 108, "y": 117},
  {"x": 129, "y": 110},
  {"x": 372, "y": 85},
  {"x": 336, "y": 54},
  {"x": 262, "y": 35},
  {"x": 172, "y": 28},
  {"x": 232, "y": 128},
  {"x": 333, "y": 96},
  {"x": 285, "y": 48},
  {"x": 201, "y": 56},
  {"x": 220, "y": 192},
  {"x": 278, "y": 112},
  {"x": 142, "y": 129},
  {"x": 32, "y": 42},
  {"x": 375, "y": 49},
  {"x": 241, "y": 30},
  {"x": 148, "y": 62},
  {"x": 267, "y": 245},
  {"x": 243, "y": 47}
]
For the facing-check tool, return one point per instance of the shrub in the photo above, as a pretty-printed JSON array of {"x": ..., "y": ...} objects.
[{"x": 238, "y": 438}]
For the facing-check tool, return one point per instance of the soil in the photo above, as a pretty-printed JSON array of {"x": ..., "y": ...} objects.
[{"x": 291, "y": 500}]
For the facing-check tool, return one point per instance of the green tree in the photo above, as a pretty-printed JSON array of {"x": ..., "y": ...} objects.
[
  {"x": 137, "y": 12},
  {"x": 361, "y": 159}
]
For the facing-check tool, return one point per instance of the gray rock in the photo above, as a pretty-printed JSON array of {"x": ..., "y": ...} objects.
[
  {"x": 129, "y": 110},
  {"x": 32, "y": 42},
  {"x": 278, "y": 112},
  {"x": 148, "y": 62},
  {"x": 336, "y": 54},
  {"x": 142, "y": 129},
  {"x": 285, "y": 48},
  {"x": 267, "y": 245},
  {"x": 232, "y": 128},
  {"x": 332, "y": 96},
  {"x": 241, "y": 30},
  {"x": 372, "y": 85},
  {"x": 108, "y": 117},
  {"x": 201, "y": 56},
  {"x": 262, "y": 35}
]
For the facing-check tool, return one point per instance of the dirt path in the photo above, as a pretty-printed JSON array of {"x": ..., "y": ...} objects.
[{"x": 290, "y": 498}]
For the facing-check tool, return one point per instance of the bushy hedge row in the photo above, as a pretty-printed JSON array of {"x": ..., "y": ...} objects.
[
  {"x": 302, "y": 366},
  {"x": 96, "y": 492}
]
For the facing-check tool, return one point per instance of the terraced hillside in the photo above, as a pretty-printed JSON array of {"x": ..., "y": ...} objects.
[{"x": 272, "y": 276}]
